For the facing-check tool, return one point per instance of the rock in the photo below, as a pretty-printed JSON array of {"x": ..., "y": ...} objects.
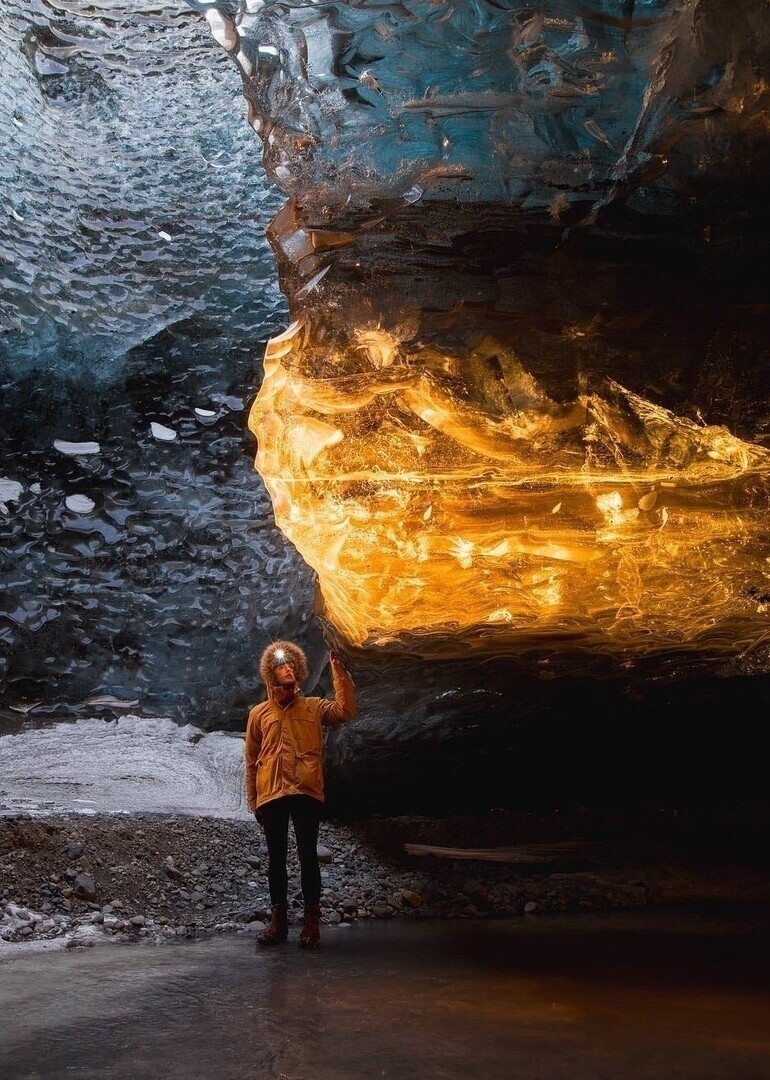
[
  {"x": 478, "y": 894},
  {"x": 74, "y": 849},
  {"x": 324, "y": 854},
  {"x": 358, "y": 883},
  {"x": 84, "y": 887}
]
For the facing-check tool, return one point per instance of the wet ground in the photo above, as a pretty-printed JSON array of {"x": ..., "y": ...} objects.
[{"x": 644, "y": 995}]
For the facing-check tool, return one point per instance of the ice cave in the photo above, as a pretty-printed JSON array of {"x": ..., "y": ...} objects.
[{"x": 432, "y": 330}]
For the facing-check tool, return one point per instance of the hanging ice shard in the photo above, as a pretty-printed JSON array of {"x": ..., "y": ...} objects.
[{"x": 522, "y": 402}]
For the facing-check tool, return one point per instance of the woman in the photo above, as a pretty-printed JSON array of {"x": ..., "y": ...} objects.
[{"x": 284, "y": 777}]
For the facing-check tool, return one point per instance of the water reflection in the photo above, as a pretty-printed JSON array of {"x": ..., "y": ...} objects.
[{"x": 640, "y": 994}]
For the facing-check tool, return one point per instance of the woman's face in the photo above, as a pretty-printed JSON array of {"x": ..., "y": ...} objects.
[{"x": 285, "y": 678}]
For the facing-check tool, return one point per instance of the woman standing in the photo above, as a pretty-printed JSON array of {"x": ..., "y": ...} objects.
[{"x": 284, "y": 777}]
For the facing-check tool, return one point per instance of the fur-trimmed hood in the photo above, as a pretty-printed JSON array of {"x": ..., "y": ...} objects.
[{"x": 291, "y": 652}]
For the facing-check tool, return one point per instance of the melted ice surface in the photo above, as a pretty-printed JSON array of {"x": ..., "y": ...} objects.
[{"x": 129, "y": 765}]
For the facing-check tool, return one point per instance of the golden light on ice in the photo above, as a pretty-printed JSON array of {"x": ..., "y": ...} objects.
[{"x": 443, "y": 495}]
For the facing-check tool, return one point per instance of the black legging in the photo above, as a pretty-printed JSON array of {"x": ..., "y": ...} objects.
[{"x": 305, "y": 814}]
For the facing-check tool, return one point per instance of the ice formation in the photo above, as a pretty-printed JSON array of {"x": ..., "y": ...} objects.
[{"x": 500, "y": 417}]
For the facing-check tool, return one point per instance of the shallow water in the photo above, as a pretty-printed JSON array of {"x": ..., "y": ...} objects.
[{"x": 646, "y": 994}]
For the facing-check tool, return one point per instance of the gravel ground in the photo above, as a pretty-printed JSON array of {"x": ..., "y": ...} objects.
[{"x": 68, "y": 880}]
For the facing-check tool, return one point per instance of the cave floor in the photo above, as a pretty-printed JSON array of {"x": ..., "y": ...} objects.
[{"x": 636, "y": 995}]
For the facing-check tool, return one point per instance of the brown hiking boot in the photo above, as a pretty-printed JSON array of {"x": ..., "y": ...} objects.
[
  {"x": 278, "y": 930},
  {"x": 310, "y": 935}
]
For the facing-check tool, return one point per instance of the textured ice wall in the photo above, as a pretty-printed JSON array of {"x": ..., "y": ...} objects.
[
  {"x": 489, "y": 420},
  {"x": 538, "y": 106},
  {"x": 133, "y": 193},
  {"x": 140, "y": 565},
  {"x": 501, "y": 218},
  {"x": 628, "y": 139}
]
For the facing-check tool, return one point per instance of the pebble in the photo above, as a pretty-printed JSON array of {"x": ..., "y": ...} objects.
[{"x": 216, "y": 883}]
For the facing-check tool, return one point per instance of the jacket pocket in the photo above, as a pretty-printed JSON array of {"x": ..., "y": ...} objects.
[
  {"x": 309, "y": 774},
  {"x": 268, "y": 778},
  {"x": 307, "y": 735}
]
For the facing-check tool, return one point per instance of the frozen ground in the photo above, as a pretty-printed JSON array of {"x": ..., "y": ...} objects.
[{"x": 129, "y": 765}]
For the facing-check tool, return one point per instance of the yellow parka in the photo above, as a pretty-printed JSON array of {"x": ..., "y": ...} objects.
[{"x": 283, "y": 751}]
